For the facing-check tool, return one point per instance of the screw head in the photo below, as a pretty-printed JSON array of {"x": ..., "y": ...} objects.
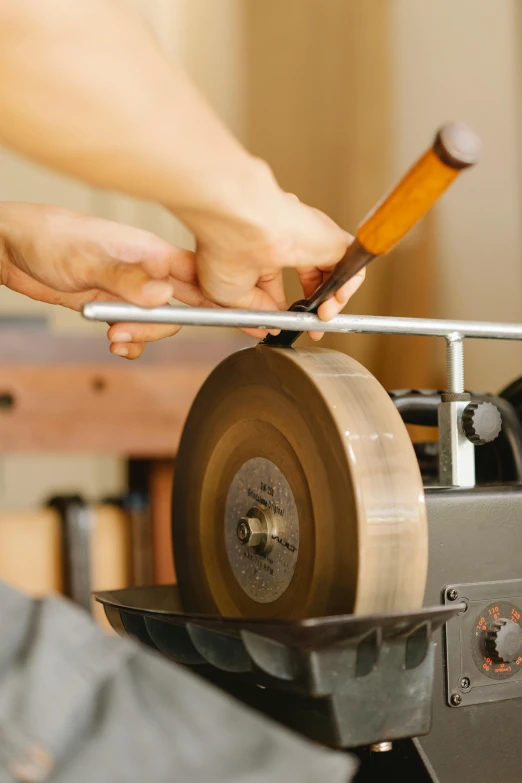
[
  {"x": 456, "y": 699},
  {"x": 452, "y": 594},
  {"x": 465, "y": 683}
]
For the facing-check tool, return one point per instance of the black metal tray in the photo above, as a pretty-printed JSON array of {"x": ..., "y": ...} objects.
[{"x": 343, "y": 680}]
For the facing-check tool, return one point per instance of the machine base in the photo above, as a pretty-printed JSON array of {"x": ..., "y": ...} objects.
[
  {"x": 475, "y": 538},
  {"x": 312, "y": 675}
]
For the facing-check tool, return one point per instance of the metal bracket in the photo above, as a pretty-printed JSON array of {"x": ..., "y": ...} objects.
[{"x": 456, "y": 452}]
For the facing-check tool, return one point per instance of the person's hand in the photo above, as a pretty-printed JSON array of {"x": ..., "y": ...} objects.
[
  {"x": 147, "y": 132},
  {"x": 61, "y": 257},
  {"x": 243, "y": 247}
]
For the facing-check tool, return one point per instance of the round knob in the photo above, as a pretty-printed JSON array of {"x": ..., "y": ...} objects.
[
  {"x": 481, "y": 422},
  {"x": 504, "y": 640}
]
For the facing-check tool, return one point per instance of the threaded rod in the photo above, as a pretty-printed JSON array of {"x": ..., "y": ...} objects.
[{"x": 455, "y": 363}]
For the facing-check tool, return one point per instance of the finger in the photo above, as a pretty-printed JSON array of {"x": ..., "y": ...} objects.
[
  {"x": 125, "y": 333},
  {"x": 191, "y": 294},
  {"x": 273, "y": 285},
  {"x": 134, "y": 246},
  {"x": 310, "y": 279},
  {"x": 258, "y": 299},
  {"x": 170, "y": 260},
  {"x": 141, "y": 333},
  {"x": 340, "y": 299},
  {"x": 160, "y": 261},
  {"x": 316, "y": 336},
  {"x": 130, "y": 282},
  {"x": 127, "y": 350},
  {"x": 259, "y": 334}
]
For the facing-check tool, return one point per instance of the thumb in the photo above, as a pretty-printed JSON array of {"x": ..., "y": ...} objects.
[{"x": 130, "y": 283}]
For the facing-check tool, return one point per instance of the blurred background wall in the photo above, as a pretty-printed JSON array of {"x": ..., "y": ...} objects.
[{"x": 339, "y": 96}]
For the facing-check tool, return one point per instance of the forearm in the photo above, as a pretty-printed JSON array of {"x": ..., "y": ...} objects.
[{"x": 87, "y": 90}]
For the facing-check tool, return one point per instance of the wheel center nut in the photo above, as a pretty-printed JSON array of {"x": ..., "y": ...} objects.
[{"x": 255, "y": 530}]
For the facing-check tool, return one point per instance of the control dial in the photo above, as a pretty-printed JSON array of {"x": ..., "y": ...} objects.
[
  {"x": 503, "y": 640},
  {"x": 496, "y": 640}
]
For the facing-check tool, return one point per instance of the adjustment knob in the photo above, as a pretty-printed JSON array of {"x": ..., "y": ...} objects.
[
  {"x": 504, "y": 640},
  {"x": 481, "y": 422}
]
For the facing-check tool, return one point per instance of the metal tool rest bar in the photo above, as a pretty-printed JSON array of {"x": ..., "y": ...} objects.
[{"x": 456, "y": 451}]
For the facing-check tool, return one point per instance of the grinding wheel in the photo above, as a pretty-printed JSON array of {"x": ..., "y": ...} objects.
[{"x": 297, "y": 491}]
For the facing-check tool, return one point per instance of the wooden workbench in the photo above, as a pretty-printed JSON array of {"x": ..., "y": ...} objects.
[{"x": 69, "y": 394}]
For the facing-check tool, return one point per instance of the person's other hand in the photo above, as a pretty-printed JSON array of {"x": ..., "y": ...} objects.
[
  {"x": 241, "y": 253},
  {"x": 62, "y": 257}
]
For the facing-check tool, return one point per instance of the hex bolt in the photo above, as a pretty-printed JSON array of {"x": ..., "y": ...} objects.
[
  {"x": 455, "y": 363},
  {"x": 465, "y": 683},
  {"x": 452, "y": 594},
  {"x": 256, "y": 530},
  {"x": 251, "y": 531},
  {"x": 456, "y": 699}
]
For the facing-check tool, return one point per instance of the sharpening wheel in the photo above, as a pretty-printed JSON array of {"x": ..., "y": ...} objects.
[{"x": 297, "y": 491}]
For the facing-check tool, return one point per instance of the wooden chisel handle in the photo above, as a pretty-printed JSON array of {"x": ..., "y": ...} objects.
[{"x": 455, "y": 148}]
